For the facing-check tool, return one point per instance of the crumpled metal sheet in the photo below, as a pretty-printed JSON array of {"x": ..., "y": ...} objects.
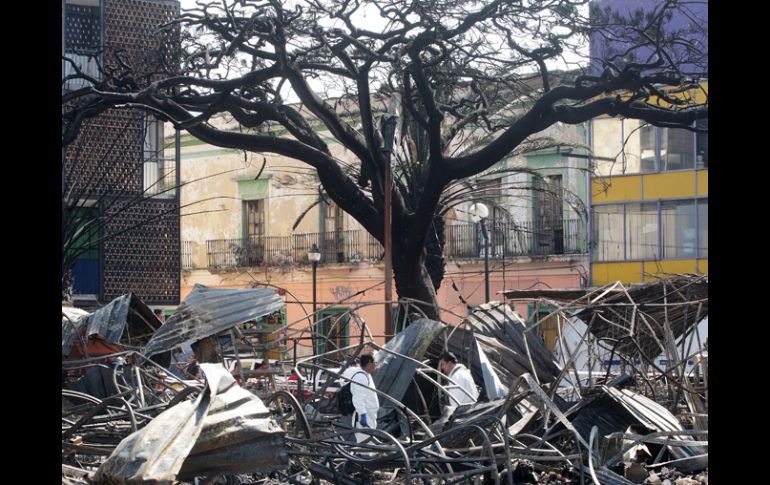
[
  {"x": 394, "y": 373},
  {"x": 238, "y": 434},
  {"x": 654, "y": 416},
  {"x": 500, "y": 332},
  {"x": 70, "y": 325},
  {"x": 497, "y": 332},
  {"x": 492, "y": 384},
  {"x": 208, "y": 311},
  {"x": 110, "y": 322},
  {"x": 156, "y": 452},
  {"x": 613, "y": 410},
  {"x": 226, "y": 430}
]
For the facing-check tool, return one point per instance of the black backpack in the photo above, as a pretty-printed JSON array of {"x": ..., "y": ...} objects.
[{"x": 345, "y": 397}]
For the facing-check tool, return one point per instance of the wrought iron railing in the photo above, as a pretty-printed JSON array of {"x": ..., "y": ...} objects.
[
  {"x": 462, "y": 241},
  {"x": 516, "y": 239}
]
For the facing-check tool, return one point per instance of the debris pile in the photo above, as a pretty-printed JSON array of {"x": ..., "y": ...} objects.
[{"x": 622, "y": 397}]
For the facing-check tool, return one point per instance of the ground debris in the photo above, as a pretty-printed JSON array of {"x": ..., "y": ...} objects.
[{"x": 542, "y": 417}]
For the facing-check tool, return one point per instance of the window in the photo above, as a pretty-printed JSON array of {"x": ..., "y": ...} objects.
[
  {"x": 84, "y": 248},
  {"x": 647, "y": 148},
  {"x": 608, "y": 233},
  {"x": 702, "y": 145},
  {"x": 255, "y": 218},
  {"x": 703, "y": 228},
  {"x": 82, "y": 40},
  {"x": 334, "y": 237},
  {"x": 607, "y": 134},
  {"x": 250, "y": 251},
  {"x": 642, "y": 231},
  {"x": 678, "y": 227},
  {"x": 677, "y": 148},
  {"x": 672, "y": 229},
  {"x": 159, "y": 172},
  {"x": 549, "y": 218}
]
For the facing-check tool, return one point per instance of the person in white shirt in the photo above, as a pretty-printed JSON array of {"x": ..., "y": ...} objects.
[
  {"x": 464, "y": 391},
  {"x": 347, "y": 419},
  {"x": 365, "y": 398}
]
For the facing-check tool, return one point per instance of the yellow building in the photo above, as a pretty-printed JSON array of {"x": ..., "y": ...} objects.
[{"x": 649, "y": 200}]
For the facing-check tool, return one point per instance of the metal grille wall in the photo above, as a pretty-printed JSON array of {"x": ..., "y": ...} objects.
[
  {"x": 140, "y": 252},
  {"x": 144, "y": 259},
  {"x": 82, "y": 28},
  {"x": 106, "y": 156},
  {"x": 132, "y": 26}
]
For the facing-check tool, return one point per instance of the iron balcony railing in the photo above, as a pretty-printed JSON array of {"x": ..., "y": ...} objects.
[
  {"x": 335, "y": 247},
  {"x": 462, "y": 241},
  {"x": 516, "y": 239}
]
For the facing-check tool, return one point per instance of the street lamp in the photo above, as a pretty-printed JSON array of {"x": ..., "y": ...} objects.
[
  {"x": 479, "y": 213},
  {"x": 314, "y": 256}
]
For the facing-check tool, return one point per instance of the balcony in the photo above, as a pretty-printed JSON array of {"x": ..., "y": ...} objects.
[
  {"x": 336, "y": 247},
  {"x": 463, "y": 241},
  {"x": 516, "y": 239}
]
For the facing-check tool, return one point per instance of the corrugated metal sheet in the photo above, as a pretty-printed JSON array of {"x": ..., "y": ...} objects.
[
  {"x": 654, "y": 416},
  {"x": 613, "y": 410},
  {"x": 111, "y": 321},
  {"x": 226, "y": 430},
  {"x": 70, "y": 324},
  {"x": 208, "y": 311},
  {"x": 394, "y": 373},
  {"x": 500, "y": 334}
]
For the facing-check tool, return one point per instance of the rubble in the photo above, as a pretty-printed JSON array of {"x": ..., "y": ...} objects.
[{"x": 542, "y": 417}]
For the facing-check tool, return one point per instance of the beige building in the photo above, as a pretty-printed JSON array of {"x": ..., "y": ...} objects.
[{"x": 241, "y": 226}]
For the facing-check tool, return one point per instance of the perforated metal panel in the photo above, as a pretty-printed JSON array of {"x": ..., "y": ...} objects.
[
  {"x": 133, "y": 27},
  {"x": 82, "y": 30},
  {"x": 144, "y": 259},
  {"x": 140, "y": 250},
  {"x": 106, "y": 156}
]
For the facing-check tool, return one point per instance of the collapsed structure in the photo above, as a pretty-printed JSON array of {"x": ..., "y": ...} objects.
[{"x": 622, "y": 399}]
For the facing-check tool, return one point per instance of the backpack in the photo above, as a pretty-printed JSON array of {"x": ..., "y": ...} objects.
[{"x": 345, "y": 397}]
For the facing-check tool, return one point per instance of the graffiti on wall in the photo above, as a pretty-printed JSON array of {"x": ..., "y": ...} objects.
[{"x": 340, "y": 291}]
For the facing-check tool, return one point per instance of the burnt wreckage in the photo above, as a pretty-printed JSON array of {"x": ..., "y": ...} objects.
[{"x": 622, "y": 398}]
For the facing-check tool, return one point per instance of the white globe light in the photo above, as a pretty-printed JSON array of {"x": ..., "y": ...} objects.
[
  {"x": 314, "y": 255},
  {"x": 478, "y": 211}
]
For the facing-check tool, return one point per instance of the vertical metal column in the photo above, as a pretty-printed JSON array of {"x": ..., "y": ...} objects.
[{"x": 388, "y": 131}]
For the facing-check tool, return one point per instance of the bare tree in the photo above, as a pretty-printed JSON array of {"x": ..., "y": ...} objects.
[{"x": 470, "y": 82}]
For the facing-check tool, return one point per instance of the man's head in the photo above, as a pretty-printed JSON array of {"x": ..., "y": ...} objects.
[
  {"x": 367, "y": 363},
  {"x": 447, "y": 362}
]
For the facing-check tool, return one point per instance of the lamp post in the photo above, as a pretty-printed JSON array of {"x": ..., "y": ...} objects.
[
  {"x": 314, "y": 256},
  {"x": 388, "y": 132},
  {"x": 479, "y": 213}
]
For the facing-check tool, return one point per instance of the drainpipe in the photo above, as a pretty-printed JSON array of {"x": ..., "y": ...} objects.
[{"x": 589, "y": 221}]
